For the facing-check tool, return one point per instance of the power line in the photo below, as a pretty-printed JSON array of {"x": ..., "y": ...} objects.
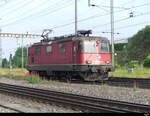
[
  {"x": 96, "y": 16},
  {"x": 101, "y": 7},
  {"x": 85, "y": 19},
  {"x": 121, "y": 40},
  {"x": 31, "y": 15},
  {"x": 123, "y": 19},
  {"x": 67, "y": 24},
  {"x": 128, "y": 26},
  {"x": 129, "y": 2},
  {"x": 13, "y": 10},
  {"x": 123, "y": 27}
]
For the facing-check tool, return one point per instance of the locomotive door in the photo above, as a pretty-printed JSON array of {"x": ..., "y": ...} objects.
[
  {"x": 36, "y": 56},
  {"x": 75, "y": 52}
]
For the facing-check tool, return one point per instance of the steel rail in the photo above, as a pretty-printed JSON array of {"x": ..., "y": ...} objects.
[
  {"x": 91, "y": 103},
  {"x": 142, "y": 83},
  {"x": 129, "y": 82},
  {"x": 10, "y": 108},
  {"x": 129, "y": 79},
  {"x": 63, "y": 100}
]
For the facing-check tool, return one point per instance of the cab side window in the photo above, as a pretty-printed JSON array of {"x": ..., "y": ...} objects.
[
  {"x": 104, "y": 47},
  {"x": 49, "y": 49},
  {"x": 80, "y": 47},
  {"x": 62, "y": 47},
  {"x": 37, "y": 50}
]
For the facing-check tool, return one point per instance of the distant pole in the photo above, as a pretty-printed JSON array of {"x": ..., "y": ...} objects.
[
  {"x": 22, "y": 54},
  {"x": 89, "y": 4},
  {"x": 112, "y": 29},
  {"x": 0, "y": 51},
  {"x": 10, "y": 63},
  {"x": 27, "y": 52},
  {"x": 76, "y": 18}
]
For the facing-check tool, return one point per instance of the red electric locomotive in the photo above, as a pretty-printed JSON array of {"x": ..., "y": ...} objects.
[{"x": 83, "y": 57}]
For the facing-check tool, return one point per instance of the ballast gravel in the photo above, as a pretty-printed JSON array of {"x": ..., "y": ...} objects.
[
  {"x": 29, "y": 106},
  {"x": 141, "y": 96}
]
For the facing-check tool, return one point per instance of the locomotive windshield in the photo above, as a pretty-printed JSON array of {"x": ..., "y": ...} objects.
[
  {"x": 104, "y": 47},
  {"x": 88, "y": 47}
]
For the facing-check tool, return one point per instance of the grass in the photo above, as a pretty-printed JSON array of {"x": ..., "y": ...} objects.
[
  {"x": 137, "y": 73},
  {"x": 21, "y": 74},
  {"x": 14, "y": 73},
  {"x": 35, "y": 79},
  {"x": 104, "y": 86}
]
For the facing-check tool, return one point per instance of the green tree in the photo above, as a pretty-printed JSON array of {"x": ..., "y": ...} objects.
[
  {"x": 17, "y": 58},
  {"x": 147, "y": 62},
  {"x": 119, "y": 46},
  {"x": 139, "y": 45},
  {"x": 5, "y": 63},
  {"x": 121, "y": 54}
]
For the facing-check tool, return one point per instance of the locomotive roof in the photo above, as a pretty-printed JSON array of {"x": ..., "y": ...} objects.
[{"x": 71, "y": 38}]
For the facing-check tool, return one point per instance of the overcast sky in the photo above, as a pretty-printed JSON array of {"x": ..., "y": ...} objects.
[{"x": 32, "y": 16}]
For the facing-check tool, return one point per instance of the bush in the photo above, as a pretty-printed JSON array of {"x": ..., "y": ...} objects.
[
  {"x": 35, "y": 79},
  {"x": 117, "y": 66},
  {"x": 147, "y": 62},
  {"x": 133, "y": 64}
]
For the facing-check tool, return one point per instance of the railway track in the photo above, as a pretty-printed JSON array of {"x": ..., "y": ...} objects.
[
  {"x": 129, "y": 82},
  {"x": 83, "y": 103},
  {"x": 118, "y": 81},
  {"x": 11, "y": 109}
]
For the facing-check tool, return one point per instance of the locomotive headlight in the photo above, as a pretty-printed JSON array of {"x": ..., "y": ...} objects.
[
  {"x": 108, "y": 62},
  {"x": 88, "y": 62}
]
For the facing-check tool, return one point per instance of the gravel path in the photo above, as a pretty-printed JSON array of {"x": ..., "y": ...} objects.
[{"x": 141, "y": 96}]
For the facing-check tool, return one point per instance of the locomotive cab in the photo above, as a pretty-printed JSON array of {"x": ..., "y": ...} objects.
[
  {"x": 94, "y": 58},
  {"x": 94, "y": 52}
]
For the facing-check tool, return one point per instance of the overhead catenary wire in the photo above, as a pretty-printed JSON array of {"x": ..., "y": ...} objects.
[
  {"x": 123, "y": 19},
  {"x": 37, "y": 7},
  {"x": 97, "y": 16},
  {"x": 31, "y": 15},
  {"x": 128, "y": 2},
  {"x": 91, "y": 17},
  {"x": 133, "y": 25},
  {"x": 128, "y": 26},
  {"x": 14, "y": 10},
  {"x": 24, "y": 5},
  {"x": 121, "y": 40},
  {"x": 116, "y": 21},
  {"x": 85, "y": 19}
]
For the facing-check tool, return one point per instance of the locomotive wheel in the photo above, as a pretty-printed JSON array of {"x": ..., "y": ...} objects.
[
  {"x": 89, "y": 76},
  {"x": 68, "y": 77},
  {"x": 105, "y": 76}
]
